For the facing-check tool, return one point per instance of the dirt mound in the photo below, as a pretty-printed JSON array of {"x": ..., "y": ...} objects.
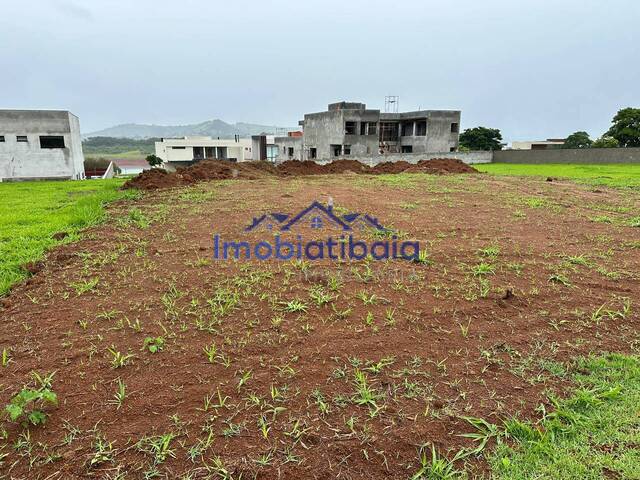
[
  {"x": 222, "y": 169},
  {"x": 439, "y": 166},
  {"x": 154, "y": 179},
  {"x": 342, "y": 166},
  {"x": 296, "y": 167},
  {"x": 391, "y": 167}
]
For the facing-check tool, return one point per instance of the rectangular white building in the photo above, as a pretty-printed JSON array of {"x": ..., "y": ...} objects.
[
  {"x": 40, "y": 145},
  {"x": 181, "y": 152}
]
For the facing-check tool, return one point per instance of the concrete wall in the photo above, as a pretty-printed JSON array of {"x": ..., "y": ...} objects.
[
  {"x": 466, "y": 157},
  {"x": 560, "y": 155},
  {"x": 27, "y": 160}
]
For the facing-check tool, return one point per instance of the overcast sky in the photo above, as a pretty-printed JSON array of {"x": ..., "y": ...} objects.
[{"x": 534, "y": 69}]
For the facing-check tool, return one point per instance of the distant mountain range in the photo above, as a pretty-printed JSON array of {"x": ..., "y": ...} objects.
[{"x": 212, "y": 128}]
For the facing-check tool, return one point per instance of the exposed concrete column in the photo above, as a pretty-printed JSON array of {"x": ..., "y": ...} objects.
[{"x": 414, "y": 128}]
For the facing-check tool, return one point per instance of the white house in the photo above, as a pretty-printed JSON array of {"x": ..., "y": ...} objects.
[
  {"x": 176, "y": 152},
  {"x": 40, "y": 145}
]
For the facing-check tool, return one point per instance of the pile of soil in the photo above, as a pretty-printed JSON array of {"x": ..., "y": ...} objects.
[
  {"x": 220, "y": 170},
  {"x": 440, "y": 166},
  {"x": 391, "y": 167}
]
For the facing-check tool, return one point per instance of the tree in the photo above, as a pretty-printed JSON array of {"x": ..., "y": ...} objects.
[
  {"x": 481, "y": 138},
  {"x": 154, "y": 160},
  {"x": 605, "y": 142},
  {"x": 626, "y": 127},
  {"x": 578, "y": 140}
]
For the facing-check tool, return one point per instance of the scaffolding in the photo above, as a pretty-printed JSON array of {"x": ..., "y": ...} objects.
[{"x": 391, "y": 103}]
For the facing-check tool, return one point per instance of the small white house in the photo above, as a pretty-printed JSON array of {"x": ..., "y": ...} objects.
[
  {"x": 179, "y": 152},
  {"x": 40, "y": 145}
]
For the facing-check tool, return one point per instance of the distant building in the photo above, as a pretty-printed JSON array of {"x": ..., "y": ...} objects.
[
  {"x": 181, "y": 152},
  {"x": 131, "y": 166},
  {"x": 347, "y": 129},
  {"x": 263, "y": 147},
  {"x": 40, "y": 145},
  {"x": 538, "y": 144}
]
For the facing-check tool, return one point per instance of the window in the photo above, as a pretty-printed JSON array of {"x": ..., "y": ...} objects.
[
  {"x": 313, "y": 152},
  {"x": 290, "y": 152},
  {"x": 455, "y": 127},
  {"x": 347, "y": 149},
  {"x": 407, "y": 148},
  {"x": 316, "y": 222},
  {"x": 1, "y": 138},
  {"x": 421, "y": 128},
  {"x": 373, "y": 126},
  {"x": 336, "y": 150},
  {"x": 407, "y": 129},
  {"x": 51, "y": 142},
  {"x": 178, "y": 148},
  {"x": 452, "y": 149},
  {"x": 349, "y": 128},
  {"x": 198, "y": 153},
  {"x": 21, "y": 138},
  {"x": 363, "y": 128}
]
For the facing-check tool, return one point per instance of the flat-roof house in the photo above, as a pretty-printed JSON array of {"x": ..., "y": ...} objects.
[
  {"x": 185, "y": 151},
  {"x": 40, "y": 145},
  {"x": 351, "y": 129}
]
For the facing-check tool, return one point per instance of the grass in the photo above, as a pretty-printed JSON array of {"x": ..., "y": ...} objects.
[
  {"x": 32, "y": 212},
  {"x": 611, "y": 175},
  {"x": 593, "y": 434}
]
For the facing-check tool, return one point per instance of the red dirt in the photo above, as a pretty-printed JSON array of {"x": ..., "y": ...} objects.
[
  {"x": 454, "y": 351},
  {"x": 219, "y": 170}
]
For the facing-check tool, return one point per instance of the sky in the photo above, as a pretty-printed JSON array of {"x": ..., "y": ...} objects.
[{"x": 534, "y": 69}]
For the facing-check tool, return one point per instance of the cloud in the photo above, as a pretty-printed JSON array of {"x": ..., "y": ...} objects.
[{"x": 73, "y": 10}]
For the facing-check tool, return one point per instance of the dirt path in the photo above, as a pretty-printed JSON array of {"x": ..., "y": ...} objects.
[{"x": 373, "y": 360}]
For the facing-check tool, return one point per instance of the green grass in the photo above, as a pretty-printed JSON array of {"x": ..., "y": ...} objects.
[
  {"x": 31, "y": 212},
  {"x": 594, "y": 434},
  {"x": 612, "y": 175}
]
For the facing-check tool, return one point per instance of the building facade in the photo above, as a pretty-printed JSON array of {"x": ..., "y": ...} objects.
[
  {"x": 350, "y": 129},
  {"x": 40, "y": 145},
  {"x": 547, "y": 144},
  {"x": 181, "y": 152}
]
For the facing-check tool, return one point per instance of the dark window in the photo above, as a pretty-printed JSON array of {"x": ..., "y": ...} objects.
[
  {"x": 363, "y": 128},
  {"x": 347, "y": 149},
  {"x": 21, "y": 138},
  {"x": 388, "y": 132},
  {"x": 336, "y": 149},
  {"x": 290, "y": 151},
  {"x": 198, "y": 153},
  {"x": 455, "y": 127},
  {"x": 407, "y": 149},
  {"x": 1, "y": 138},
  {"x": 349, "y": 128},
  {"x": 372, "y": 128},
  {"x": 407, "y": 129},
  {"x": 421, "y": 128},
  {"x": 452, "y": 149},
  {"x": 52, "y": 142},
  {"x": 178, "y": 148},
  {"x": 210, "y": 152},
  {"x": 313, "y": 152}
]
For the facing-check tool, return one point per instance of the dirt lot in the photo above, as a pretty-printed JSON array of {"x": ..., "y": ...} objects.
[{"x": 318, "y": 369}]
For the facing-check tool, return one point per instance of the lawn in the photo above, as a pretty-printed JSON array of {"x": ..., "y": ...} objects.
[
  {"x": 613, "y": 175},
  {"x": 32, "y": 212}
]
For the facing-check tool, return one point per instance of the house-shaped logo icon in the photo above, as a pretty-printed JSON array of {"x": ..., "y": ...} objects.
[{"x": 315, "y": 216}]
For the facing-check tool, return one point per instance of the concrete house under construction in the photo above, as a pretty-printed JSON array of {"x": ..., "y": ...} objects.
[{"x": 350, "y": 129}]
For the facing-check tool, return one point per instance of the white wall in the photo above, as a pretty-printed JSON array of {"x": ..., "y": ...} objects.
[{"x": 27, "y": 160}]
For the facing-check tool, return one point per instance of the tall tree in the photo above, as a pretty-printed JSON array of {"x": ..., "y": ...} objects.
[
  {"x": 578, "y": 140},
  {"x": 481, "y": 138},
  {"x": 626, "y": 127}
]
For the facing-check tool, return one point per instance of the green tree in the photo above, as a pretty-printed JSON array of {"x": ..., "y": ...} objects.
[
  {"x": 481, "y": 138},
  {"x": 154, "y": 160},
  {"x": 605, "y": 142},
  {"x": 578, "y": 140},
  {"x": 626, "y": 127}
]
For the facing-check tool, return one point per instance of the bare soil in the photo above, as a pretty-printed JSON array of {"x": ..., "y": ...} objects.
[
  {"x": 219, "y": 169},
  {"x": 435, "y": 341}
]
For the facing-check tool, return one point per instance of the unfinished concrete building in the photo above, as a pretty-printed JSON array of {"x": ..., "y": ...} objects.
[
  {"x": 350, "y": 129},
  {"x": 40, "y": 145}
]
